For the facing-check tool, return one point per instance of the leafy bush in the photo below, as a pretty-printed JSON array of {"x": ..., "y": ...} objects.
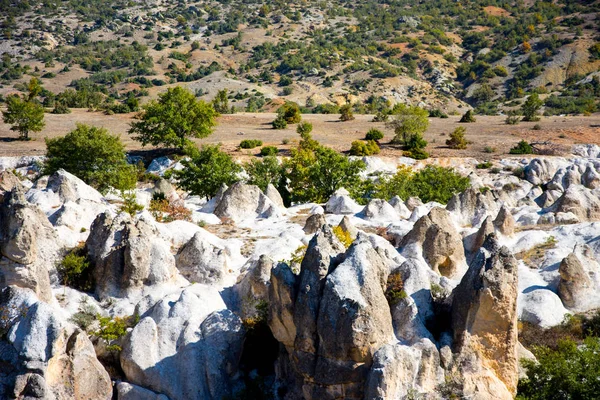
[
  {"x": 164, "y": 210},
  {"x": 484, "y": 165},
  {"x": 374, "y": 134},
  {"x": 512, "y": 118},
  {"x": 269, "y": 151},
  {"x": 94, "y": 156},
  {"x": 457, "y": 139},
  {"x": 315, "y": 172},
  {"x": 130, "y": 204},
  {"x": 437, "y": 113},
  {"x": 279, "y": 122},
  {"x": 569, "y": 372},
  {"x": 432, "y": 183},
  {"x": 75, "y": 270},
  {"x": 394, "y": 291},
  {"x": 362, "y": 148},
  {"x": 112, "y": 329},
  {"x": 531, "y": 107},
  {"x": 522, "y": 148},
  {"x": 290, "y": 111},
  {"x": 207, "y": 170},
  {"x": 346, "y": 113},
  {"x": 265, "y": 171},
  {"x": 409, "y": 123},
  {"x": 468, "y": 117},
  {"x": 489, "y": 149},
  {"x": 250, "y": 143}
]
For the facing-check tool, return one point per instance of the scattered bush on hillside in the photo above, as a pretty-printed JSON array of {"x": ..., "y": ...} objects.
[
  {"x": 290, "y": 111},
  {"x": 468, "y": 117},
  {"x": 364, "y": 148},
  {"x": 346, "y": 113},
  {"x": 269, "y": 151},
  {"x": 512, "y": 117},
  {"x": 522, "y": 148},
  {"x": 374, "y": 134},
  {"x": 75, "y": 270},
  {"x": 432, "y": 183},
  {"x": 279, "y": 122},
  {"x": 94, "y": 156},
  {"x": 343, "y": 236},
  {"x": 264, "y": 171},
  {"x": 250, "y": 143},
  {"x": 457, "y": 139}
]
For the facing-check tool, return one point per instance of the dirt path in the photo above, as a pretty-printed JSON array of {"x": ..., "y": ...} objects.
[{"x": 487, "y": 131}]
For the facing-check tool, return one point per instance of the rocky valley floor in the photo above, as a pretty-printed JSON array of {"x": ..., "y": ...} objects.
[{"x": 395, "y": 299}]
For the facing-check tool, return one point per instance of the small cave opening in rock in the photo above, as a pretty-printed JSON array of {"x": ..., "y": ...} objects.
[
  {"x": 441, "y": 321},
  {"x": 257, "y": 362}
]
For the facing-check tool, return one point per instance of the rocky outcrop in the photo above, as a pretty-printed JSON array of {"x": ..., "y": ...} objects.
[
  {"x": 334, "y": 295},
  {"x": 201, "y": 260},
  {"x": 273, "y": 194},
  {"x": 580, "y": 201},
  {"x": 379, "y": 210},
  {"x": 8, "y": 182},
  {"x": 472, "y": 206},
  {"x": 579, "y": 281},
  {"x": 314, "y": 223},
  {"x": 504, "y": 222},
  {"x": 348, "y": 226},
  {"x": 435, "y": 237},
  {"x": 540, "y": 171},
  {"x": 43, "y": 356},
  {"x": 128, "y": 254},
  {"x": 243, "y": 202},
  {"x": 252, "y": 288},
  {"x": 474, "y": 242},
  {"x": 341, "y": 203},
  {"x": 401, "y": 208},
  {"x": 484, "y": 322},
  {"x": 183, "y": 349},
  {"x": 30, "y": 248}
]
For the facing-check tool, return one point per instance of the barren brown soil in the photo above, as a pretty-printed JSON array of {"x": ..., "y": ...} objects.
[{"x": 231, "y": 129}]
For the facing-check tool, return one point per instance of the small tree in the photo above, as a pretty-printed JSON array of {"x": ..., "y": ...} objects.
[
  {"x": 457, "y": 139},
  {"x": 265, "y": 171},
  {"x": 468, "y": 117},
  {"x": 531, "y": 107},
  {"x": 221, "y": 102},
  {"x": 512, "y": 118},
  {"x": 304, "y": 128},
  {"x": 522, "y": 148},
  {"x": 409, "y": 121},
  {"x": 207, "y": 170},
  {"x": 94, "y": 156},
  {"x": 25, "y": 114},
  {"x": 374, "y": 134},
  {"x": 346, "y": 113},
  {"x": 279, "y": 122},
  {"x": 290, "y": 111},
  {"x": 173, "y": 118}
]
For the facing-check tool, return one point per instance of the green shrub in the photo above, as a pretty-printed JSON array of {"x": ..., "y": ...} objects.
[
  {"x": 374, "y": 134},
  {"x": 112, "y": 329},
  {"x": 290, "y": 111},
  {"x": 437, "y": 113},
  {"x": 207, "y": 170},
  {"x": 522, "y": 148},
  {"x": 362, "y": 148},
  {"x": 269, "y": 151},
  {"x": 512, "y": 118},
  {"x": 75, "y": 270},
  {"x": 94, "y": 156},
  {"x": 130, "y": 204},
  {"x": 346, "y": 113},
  {"x": 457, "y": 139},
  {"x": 279, "y": 122},
  {"x": 431, "y": 183},
  {"x": 468, "y": 117},
  {"x": 489, "y": 149},
  {"x": 264, "y": 171},
  {"x": 394, "y": 291},
  {"x": 250, "y": 143},
  {"x": 484, "y": 165},
  {"x": 569, "y": 372},
  {"x": 343, "y": 236}
]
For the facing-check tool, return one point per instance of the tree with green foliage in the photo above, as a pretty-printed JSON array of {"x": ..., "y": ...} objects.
[
  {"x": 346, "y": 113},
  {"x": 304, "y": 128},
  {"x": 315, "y": 172},
  {"x": 531, "y": 107},
  {"x": 176, "y": 116},
  {"x": 569, "y": 372},
  {"x": 523, "y": 147},
  {"x": 409, "y": 121},
  {"x": 431, "y": 183},
  {"x": 468, "y": 117},
  {"x": 279, "y": 122},
  {"x": 457, "y": 139},
  {"x": 93, "y": 155},
  {"x": 221, "y": 102},
  {"x": 25, "y": 113},
  {"x": 364, "y": 148},
  {"x": 290, "y": 111},
  {"x": 265, "y": 171},
  {"x": 374, "y": 134},
  {"x": 207, "y": 170}
]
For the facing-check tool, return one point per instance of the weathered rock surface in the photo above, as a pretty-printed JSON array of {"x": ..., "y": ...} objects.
[
  {"x": 579, "y": 280},
  {"x": 43, "y": 356},
  {"x": 202, "y": 260},
  {"x": 341, "y": 203},
  {"x": 472, "y": 206},
  {"x": 8, "y": 181},
  {"x": 348, "y": 226},
  {"x": 242, "y": 202},
  {"x": 334, "y": 294},
  {"x": 484, "y": 322},
  {"x": 379, "y": 210},
  {"x": 29, "y": 245},
  {"x": 273, "y": 194},
  {"x": 252, "y": 288},
  {"x": 580, "y": 201},
  {"x": 184, "y": 350},
  {"x": 314, "y": 223},
  {"x": 127, "y": 255},
  {"x": 401, "y": 208},
  {"x": 505, "y": 222},
  {"x": 441, "y": 245},
  {"x": 474, "y": 242}
]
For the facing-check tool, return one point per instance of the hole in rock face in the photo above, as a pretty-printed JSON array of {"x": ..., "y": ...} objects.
[
  {"x": 441, "y": 321},
  {"x": 259, "y": 355}
]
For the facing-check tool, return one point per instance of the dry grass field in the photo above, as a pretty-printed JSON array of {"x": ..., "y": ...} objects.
[{"x": 231, "y": 129}]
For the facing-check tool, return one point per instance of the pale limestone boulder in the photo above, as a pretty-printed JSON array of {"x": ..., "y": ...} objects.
[
  {"x": 579, "y": 283},
  {"x": 379, "y": 210},
  {"x": 314, "y": 223},
  {"x": 472, "y": 206},
  {"x": 341, "y": 203},
  {"x": 273, "y": 194},
  {"x": 580, "y": 201},
  {"x": 505, "y": 222},
  {"x": 348, "y": 226},
  {"x": 401, "y": 208},
  {"x": 46, "y": 356},
  {"x": 203, "y": 260},
  {"x": 243, "y": 202}
]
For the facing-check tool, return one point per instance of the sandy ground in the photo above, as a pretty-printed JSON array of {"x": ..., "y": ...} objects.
[{"x": 231, "y": 129}]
